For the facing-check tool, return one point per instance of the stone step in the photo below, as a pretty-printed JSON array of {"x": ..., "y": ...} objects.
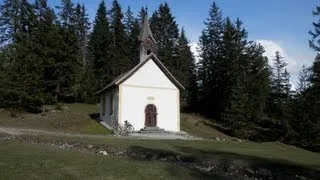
[{"x": 151, "y": 130}]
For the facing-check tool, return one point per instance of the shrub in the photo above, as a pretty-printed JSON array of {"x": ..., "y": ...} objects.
[
  {"x": 59, "y": 107},
  {"x": 12, "y": 115}
]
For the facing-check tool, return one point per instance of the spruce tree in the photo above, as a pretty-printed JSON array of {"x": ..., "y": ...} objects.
[
  {"x": 210, "y": 45},
  {"x": 9, "y": 22},
  {"x": 185, "y": 72},
  {"x": 82, "y": 26},
  {"x": 280, "y": 94},
  {"x": 68, "y": 67},
  {"x": 315, "y": 81},
  {"x": 142, "y": 13},
  {"x": 99, "y": 50},
  {"x": 25, "y": 80},
  {"x": 304, "y": 78},
  {"x": 132, "y": 30},
  {"x": 119, "y": 49},
  {"x": 280, "y": 82},
  {"x": 66, "y": 13},
  {"x": 166, "y": 33}
]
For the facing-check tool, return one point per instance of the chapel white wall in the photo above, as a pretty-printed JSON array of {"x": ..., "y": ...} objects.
[
  {"x": 149, "y": 75},
  {"x": 135, "y": 99},
  {"x": 149, "y": 85}
]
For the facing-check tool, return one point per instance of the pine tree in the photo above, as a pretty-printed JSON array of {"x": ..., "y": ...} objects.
[
  {"x": 185, "y": 71},
  {"x": 166, "y": 33},
  {"x": 9, "y": 22},
  {"x": 210, "y": 44},
  {"x": 304, "y": 77},
  {"x": 68, "y": 67},
  {"x": 280, "y": 82},
  {"x": 234, "y": 93},
  {"x": 280, "y": 94},
  {"x": 23, "y": 85},
  {"x": 119, "y": 54},
  {"x": 99, "y": 49},
  {"x": 314, "y": 94},
  {"x": 132, "y": 30},
  {"x": 82, "y": 26},
  {"x": 142, "y": 13},
  {"x": 47, "y": 46},
  {"x": 66, "y": 13}
]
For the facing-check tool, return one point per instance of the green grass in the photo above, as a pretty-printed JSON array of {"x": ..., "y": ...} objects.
[
  {"x": 202, "y": 149},
  {"x": 26, "y": 161},
  {"x": 199, "y": 126},
  {"x": 30, "y": 161},
  {"x": 75, "y": 118}
]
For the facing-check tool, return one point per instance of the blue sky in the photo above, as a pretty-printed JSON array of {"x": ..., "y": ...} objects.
[{"x": 281, "y": 25}]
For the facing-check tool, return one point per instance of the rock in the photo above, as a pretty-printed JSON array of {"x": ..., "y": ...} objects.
[
  {"x": 103, "y": 153},
  {"x": 231, "y": 169},
  {"x": 239, "y": 140},
  {"x": 54, "y": 111},
  {"x": 300, "y": 177},
  {"x": 217, "y": 138},
  {"x": 249, "y": 171}
]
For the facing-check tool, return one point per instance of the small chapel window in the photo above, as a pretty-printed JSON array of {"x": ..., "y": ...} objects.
[{"x": 148, "y": 51}]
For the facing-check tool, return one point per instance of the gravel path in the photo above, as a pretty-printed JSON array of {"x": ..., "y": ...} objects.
[
  {"x": 168, "y": 135},
  {"x": 19, "y": 131}
]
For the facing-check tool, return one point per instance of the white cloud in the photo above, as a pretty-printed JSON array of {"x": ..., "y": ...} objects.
[
  {"x": 271, "y": 47},
  {"x": 294, "y": 59},
  {"x": 294, "y": 65}
]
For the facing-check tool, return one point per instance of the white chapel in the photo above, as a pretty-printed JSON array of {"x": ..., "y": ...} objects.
[{"x": 147, "y": 96}]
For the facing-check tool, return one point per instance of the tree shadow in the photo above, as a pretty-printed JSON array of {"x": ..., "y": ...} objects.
[
  {"x": 174, "y": 158},
  {"x": 213, "y": 164}
]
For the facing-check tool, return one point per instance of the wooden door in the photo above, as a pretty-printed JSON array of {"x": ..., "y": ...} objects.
[{"x": 150, "y": 116}]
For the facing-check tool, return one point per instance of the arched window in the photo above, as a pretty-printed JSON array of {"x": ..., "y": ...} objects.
[{"x": 148, "y": 51}]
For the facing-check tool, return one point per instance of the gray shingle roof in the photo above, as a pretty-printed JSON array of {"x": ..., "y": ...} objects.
[{"x": 145, "y": 33}]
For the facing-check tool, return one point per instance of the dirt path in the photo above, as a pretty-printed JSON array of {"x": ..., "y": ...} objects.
[{"x": 20, "y": 131}]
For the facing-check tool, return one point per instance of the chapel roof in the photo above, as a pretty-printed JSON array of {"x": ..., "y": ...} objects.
[{"x": 124, "y": 76}]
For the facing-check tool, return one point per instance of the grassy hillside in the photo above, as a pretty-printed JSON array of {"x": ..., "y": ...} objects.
[
  {"x": 75, "y": 118},
  {"x": 72, "y": 118},
  {"x": 200, "y": 126}
]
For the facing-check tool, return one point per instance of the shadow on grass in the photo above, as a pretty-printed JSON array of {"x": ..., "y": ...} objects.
[
  {"x": 176, "y": 159},
  {"x": 95, "y": 116},
  {"x": 216, "y": 164}
]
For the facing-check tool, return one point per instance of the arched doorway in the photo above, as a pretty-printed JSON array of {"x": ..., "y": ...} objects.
[{"x": 150, "y": 116}]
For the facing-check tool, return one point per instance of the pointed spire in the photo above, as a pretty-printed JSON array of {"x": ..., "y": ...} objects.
[{"x": 146, "y": 31}]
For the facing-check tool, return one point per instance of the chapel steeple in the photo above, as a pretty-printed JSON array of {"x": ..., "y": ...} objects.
[{"x": 146, "y": 39}]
